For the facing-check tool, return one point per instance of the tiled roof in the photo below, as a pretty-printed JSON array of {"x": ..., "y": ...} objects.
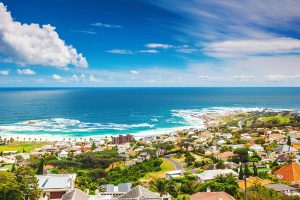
[
  {"x": 280, "y": 187},
  {"x": 139, "y": 193},
  {"x": 211, "y": 196},
  {"x": 253, "y": 181},
  {"x": 76, "y": 194},
  {"x": 289, "y": 173},
  {"x": 211, "y": 174}
]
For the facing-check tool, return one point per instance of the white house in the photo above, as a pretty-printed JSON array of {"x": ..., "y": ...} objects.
[
  {"x": 256, "y": 147},
  {"x": 56, "y": 185},
  {"x": 173, "y": 174},
  {"x": 212, "y": 174}
]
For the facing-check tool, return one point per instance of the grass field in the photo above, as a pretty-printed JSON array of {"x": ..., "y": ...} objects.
[
  {"x": 18, "y": 146},
  {"x": 166, "y": 166},
  {"x": 258, "y": 169},
  {"x": 281, "y": 119}
]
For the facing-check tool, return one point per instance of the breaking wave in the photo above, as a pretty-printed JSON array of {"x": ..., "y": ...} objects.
[{"x": 67, "y": 125}]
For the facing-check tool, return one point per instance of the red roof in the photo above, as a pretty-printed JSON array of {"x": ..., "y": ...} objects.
[
  {"x": 211, "y": 196},
  {"x": 289, "y": 173}
]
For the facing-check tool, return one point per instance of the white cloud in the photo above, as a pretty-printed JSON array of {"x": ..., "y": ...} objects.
[
  {"x": 99, "y": 24},
  {"x": 4, "y": 72},
  {"x": 149, "y": 51},
  {"x": 58, "y": 78},
  {"x": 134, "y": 72},
  {"x": 186, "y": 50},
  {"x": 93, "y": 79},
  {"x": 26, "y": 72},
  {"x": 233, "y": 48},
  {"x": 35, "y": 44},
  {"x": 280, "y": 78},
  {"x": 159, "y": 46},
  {"x": 84, "y": 31},
  {"x": 120, "y": 51}
]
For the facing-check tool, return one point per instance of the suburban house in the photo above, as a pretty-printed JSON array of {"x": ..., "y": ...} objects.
[
  {"x": 141, "y": 193},
  {"x": 212, "y": 174},
  {"x": 211, "y": 196},
  {"x": 285, "y": 149},
  {"x": 252, "y": 181},
  {"x": 113, "y": 191},
  {"x": 76, "y": 194},
  {"x": 56, "y": 185},
  {"x": 289, "y": 173},
  {"x": 174, "y": 174},
  {"x": 284, "y": 189}
]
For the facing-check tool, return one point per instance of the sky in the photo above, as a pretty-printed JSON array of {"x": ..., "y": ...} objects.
[{"x": 125, "y": 43}]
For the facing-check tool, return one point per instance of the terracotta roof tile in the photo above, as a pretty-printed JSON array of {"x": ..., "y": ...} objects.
[
  {"x": 289, "y": 173},
  {"x": 211, "y": 196}
]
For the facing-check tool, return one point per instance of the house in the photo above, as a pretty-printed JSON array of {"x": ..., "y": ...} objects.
[
  {"x": 211, "y": 196},
  {"x": 113, "y": 191},
  {"x": 289, "y": 173},
  {"x": 225, "y": 155},
  {"x": 63, "y": 154},
  {"x": 141, "y": 193},
  {"x": 252, "y": 181},
  {"x": 173, "y": 174},
  {"x": 284, "y": 189},
  {"x": 257, "y": 148},
  {"x": 285, "y": 149},
  {"x": 212, "y": 174},
  {"x": 56, "y": 185},
  {"x": 76, "y": 194}
]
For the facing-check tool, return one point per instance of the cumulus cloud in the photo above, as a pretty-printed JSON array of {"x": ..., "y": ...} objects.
[
  {"x": 35, "y": 44},
  {"x": 159, "y": 46},
  {"x": 99, "y": 24},
  {"x": 246, "y": 47},
  {"x": 4, "y": 72},
  {"x": 58, "y": 78},
  {"x": 26, "y": 72}
]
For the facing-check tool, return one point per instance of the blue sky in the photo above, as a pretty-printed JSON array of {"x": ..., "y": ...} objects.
[{"x": 149, "y": 43}]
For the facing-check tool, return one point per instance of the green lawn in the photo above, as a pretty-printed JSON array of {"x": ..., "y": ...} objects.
[
  {"x": 18, "y": 146},
  {"x": 258, "y": 169},
  {"x": 281, "y": 119},
  {"x": 165, "y": 166}
]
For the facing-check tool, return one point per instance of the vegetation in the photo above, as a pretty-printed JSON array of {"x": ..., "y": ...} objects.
[{"x": 21, "y": 146}]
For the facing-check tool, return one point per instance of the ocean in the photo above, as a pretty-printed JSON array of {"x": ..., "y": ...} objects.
[{"x": 93, "y": 112}]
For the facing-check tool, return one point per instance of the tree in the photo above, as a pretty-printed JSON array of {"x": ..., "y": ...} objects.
[
  {"x": 225, "y": 183},
  {"x": 241, "y": 173},
  {"x": 242, "y": 154},
  {"x": 247, "y": 171},
  {"x": 160, "y": 186},
  {"x": 255, "y": 173},
  {"x": 93, "y": 147},
  {"x": 28, "y": 182},
  {"x": 289, "y": 142},
  {"x": 40, "y": 169},
  {"x": 189, "y": 159},
  {"x": 13, "y": 168},
  {"x": 9, "y": 187}
]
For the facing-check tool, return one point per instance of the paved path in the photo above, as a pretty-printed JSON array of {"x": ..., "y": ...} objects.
[{"x": 177, "y": 165}]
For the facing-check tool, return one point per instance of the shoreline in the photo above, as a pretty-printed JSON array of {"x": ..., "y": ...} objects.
[{"x": 195, "y": 118}]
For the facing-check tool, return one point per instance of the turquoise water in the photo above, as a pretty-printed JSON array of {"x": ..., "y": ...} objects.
[{"x": 101, "y": 111}]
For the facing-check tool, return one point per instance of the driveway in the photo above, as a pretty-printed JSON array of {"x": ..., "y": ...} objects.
[{"x": 177, "y": 165}]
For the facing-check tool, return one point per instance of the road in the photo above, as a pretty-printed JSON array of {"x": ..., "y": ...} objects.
[{"x": 177, "y": 165}]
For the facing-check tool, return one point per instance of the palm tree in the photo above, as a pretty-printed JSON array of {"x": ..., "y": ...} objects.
[{"x": 160, "y": 185}]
